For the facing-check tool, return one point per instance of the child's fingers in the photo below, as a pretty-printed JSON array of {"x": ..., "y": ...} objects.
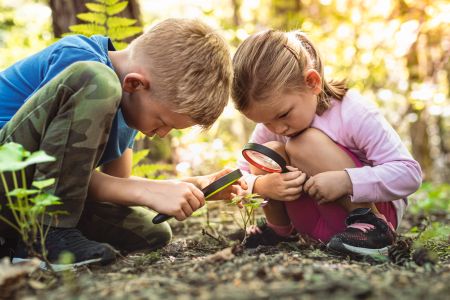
[
  {"x": 291, "y": 168},
  {"x": 291, "y": 175},
  {"x": 198, "y": 194},
  {"x": 242, "y": 183},
  {"x": 293, "y": 193},
  {"x": 313, "y": 191},
  {"x": 308, "y": 184},
  {"x": 297, "y": 182}
]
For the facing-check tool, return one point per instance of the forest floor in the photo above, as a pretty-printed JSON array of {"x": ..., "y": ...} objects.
[{"x": 202, "y": 263}]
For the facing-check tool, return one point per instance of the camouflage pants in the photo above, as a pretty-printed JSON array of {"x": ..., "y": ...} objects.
[{"x": 70, "y": 119}]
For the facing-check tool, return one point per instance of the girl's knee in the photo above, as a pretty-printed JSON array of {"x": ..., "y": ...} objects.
[
  {"x": 306, "y": 145},
  {"x": 278, "y": 147}
]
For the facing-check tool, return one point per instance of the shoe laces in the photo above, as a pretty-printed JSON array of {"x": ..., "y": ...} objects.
[{"x": 364, "y": 227}]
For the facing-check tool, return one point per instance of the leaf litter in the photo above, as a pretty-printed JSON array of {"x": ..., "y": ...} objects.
[{"x": 203, "y": 263}]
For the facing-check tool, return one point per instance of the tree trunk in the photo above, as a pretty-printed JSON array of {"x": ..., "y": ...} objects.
[{"x": 64, "y": 14}]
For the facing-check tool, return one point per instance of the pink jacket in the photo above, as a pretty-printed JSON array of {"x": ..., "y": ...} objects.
[{"x": 390, "y": 172}]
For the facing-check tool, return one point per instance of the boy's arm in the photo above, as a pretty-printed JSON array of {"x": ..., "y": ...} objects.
[
  {"x": 120, "y": 167},
  {"x": 175, "y": 198}
]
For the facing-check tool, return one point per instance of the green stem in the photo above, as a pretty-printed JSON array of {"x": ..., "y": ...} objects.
[
  {"x": 43, "y": 236},
  {"x": 24, "y": 185},
  {"x": 23, "y": 219},
  {"x": 10, "y": 202}
]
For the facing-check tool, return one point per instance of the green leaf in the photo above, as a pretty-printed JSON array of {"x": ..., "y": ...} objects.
[
  {"x": 110, "y": 2},
  {"x": 45, "y": 200},
  {"x": 38, "y": 157},
  {"x": 120, "y": 33},
  {"x": 22, "y": 193},
  {"x": 96, "y": 18},
  {"x": 120, "y": 22},
  {"x": 40, "y": 184},
  {"x": 88, "y": 29},
  {"x": 116, "y": 8},
  {"x": 11, "y": 157},
  {"x": 95, "y": 7}
]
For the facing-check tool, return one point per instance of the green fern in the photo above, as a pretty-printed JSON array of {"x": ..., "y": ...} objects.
[{"x": 101, "y": 19}]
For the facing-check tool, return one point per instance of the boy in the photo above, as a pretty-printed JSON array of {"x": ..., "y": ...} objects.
[{"x": 82, "y": 102}]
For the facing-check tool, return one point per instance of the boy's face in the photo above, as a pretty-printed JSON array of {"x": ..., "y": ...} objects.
[{"x": 151, "y": 116}]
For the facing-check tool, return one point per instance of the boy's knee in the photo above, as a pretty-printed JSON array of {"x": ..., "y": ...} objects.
[
  {"x": 147, "y": 236},
  {"x": 105, "y": 80},
  {"x": 163, "y": 235}
]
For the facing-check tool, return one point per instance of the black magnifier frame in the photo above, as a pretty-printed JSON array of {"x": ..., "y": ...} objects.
[
  {"x": 267, "y": 153},
  {"x": 210, "y": 190}
]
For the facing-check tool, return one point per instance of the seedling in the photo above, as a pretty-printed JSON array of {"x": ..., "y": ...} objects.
[
  {"x": 28, "y": 206},
  {"x": 247, "y": 206}
]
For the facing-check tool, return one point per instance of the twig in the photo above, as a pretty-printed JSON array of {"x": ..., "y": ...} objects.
[{"x": 205, "y": 232}]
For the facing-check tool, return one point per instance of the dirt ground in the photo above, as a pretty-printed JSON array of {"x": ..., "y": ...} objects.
[{"x": 201, "y": 263}]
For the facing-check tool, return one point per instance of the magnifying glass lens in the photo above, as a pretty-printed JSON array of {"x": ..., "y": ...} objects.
[{"x": 263, "y": 160}]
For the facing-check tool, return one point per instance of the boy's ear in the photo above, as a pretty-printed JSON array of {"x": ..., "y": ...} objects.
[
  {"x": 135, "y": 81},
  {"x": 314, "y": 81}
]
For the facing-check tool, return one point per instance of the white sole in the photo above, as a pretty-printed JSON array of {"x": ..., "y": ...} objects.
[
  {"x": 366, "y": 251},
  {"x": 58, "y": 267}
]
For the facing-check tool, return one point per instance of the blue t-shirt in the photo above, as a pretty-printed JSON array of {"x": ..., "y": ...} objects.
[{"x": 24, "y": 78}]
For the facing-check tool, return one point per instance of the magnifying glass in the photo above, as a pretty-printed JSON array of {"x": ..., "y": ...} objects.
[
  {"x": 210, "y": 190},
  {"x": 264, "y": 158}
]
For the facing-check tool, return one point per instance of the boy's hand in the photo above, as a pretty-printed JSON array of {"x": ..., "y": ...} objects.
[
  {"x": 172, "y": 197},
  {"x": 281, "y": 186},
  {"x": 226, "y": 194},
  {"x": 328, "y": 186}
]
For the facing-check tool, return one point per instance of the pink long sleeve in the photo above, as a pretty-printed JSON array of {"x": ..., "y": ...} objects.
[{"x": 391, "y": 172}]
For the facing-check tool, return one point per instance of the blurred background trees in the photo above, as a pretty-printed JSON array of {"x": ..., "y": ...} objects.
[{"x": 395, "y": 52}]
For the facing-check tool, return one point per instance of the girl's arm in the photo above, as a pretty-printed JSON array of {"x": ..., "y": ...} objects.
[{"x": 394, "y": 173}]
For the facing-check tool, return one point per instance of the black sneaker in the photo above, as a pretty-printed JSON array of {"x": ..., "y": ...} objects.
[
  {"x": 71, "y": 240},
  {"x": 366, "y": 234},
  {"x": 266, "y": 236}
]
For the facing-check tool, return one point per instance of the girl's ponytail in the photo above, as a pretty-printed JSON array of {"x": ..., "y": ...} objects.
[{"x": 330, "y": 89}]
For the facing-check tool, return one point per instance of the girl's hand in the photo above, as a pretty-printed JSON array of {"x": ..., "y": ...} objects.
[
  {"x": 281, "y": 186},
  {"x": 329, "y": 186}
]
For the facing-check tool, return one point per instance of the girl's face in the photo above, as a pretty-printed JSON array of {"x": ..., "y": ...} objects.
[{"x": 287, "y": 114}]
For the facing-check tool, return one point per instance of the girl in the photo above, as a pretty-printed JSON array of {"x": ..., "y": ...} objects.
[{"x": 359, "y": 171}]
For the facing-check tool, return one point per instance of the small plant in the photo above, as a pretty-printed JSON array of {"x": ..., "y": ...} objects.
[
  {"x": 28, "y": 206},
  {"x": 247, "y": 207},
  {"x": 101, "y": 19},
  {"x": 435, "y": 238}
]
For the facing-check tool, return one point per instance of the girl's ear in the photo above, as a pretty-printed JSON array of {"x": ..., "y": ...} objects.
[
  {"x": 314, "y": 81},
  {"x": 133, "y": 82}
]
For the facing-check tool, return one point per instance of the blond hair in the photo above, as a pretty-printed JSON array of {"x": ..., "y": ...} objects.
[
  {"x": 190, "y": 66},
  {"x": 274, "y": 62}
]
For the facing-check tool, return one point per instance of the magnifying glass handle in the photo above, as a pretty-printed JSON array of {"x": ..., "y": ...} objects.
[{"x": 160, "y": 218}]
